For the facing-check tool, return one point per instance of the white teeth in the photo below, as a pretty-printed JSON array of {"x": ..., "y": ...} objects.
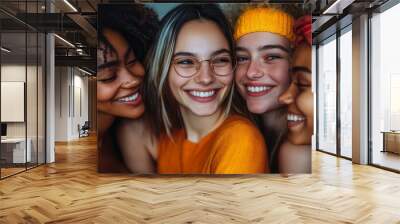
[
  {"x": 202, "y": 93},
  {"x": 295, "y": 117},
  {"x": 257, "y": 89},
  {"x": 129, "y": 98}
]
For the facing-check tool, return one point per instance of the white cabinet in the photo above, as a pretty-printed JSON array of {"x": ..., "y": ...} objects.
[{"x": 15, "y": 148}]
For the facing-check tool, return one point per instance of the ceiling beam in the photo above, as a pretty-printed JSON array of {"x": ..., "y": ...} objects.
[
  {"x": 82, "y": 61},
  {"x": 84, "y": 24}
]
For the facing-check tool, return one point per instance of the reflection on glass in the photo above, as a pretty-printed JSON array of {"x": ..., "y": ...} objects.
[
  {"x": 327, "y": 97},
  {"x": 346, "y": 94},
  {"x": 385, "y": 84}
]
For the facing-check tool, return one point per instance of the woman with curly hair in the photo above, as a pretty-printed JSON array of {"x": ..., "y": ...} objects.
[{"x": 125, "y": 33}]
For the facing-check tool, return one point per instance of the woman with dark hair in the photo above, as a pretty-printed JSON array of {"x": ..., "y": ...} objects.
[
  {"x": 125, "y": 33},
  {"x": 189, "y": 90},
  {"x": 295, "y": 152}
]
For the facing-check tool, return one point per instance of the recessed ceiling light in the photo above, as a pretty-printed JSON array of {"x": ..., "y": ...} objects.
[
  {"x": 5, "y": 50},
  {"x": 84, "y": 71},
  {"x": 70, "y": 5},
  {"x": 65, "y": 41},
  {"x": 338, "y": 6}
]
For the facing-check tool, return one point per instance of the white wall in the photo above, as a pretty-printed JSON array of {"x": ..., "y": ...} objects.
[
  {"x": 80, "y": 112},
  {"x": 71, "y": 102},
  {"x": 61, "y": 103}
]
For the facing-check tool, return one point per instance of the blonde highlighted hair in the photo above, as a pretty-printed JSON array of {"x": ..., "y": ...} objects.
[{"x": 160, "y": 103}]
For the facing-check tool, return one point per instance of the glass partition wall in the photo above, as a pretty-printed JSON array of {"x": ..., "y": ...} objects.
[{"x": 22, "y": 77}]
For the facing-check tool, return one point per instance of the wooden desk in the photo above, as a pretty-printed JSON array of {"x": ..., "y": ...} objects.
[
  {"x": 13, "y": 150},
  {"x": 391, "y": 141}
]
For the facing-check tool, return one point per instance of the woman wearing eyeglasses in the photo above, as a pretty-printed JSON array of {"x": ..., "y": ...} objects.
[{"x": 189, "y": 91}]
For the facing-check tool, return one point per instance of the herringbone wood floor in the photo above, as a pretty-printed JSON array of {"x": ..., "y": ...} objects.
[{"x": 71, "y": 191}]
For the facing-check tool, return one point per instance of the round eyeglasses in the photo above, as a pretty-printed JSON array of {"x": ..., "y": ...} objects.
[{"x": 188, "y": 66}]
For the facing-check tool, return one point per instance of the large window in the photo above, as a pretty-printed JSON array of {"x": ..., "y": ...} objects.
[
  {"x": 314, "y": 89},
  {"x": 334, "y": 73},
  {"x": 327, "y": 96},
  {"x": 385, "y": 89},
  {"x": 346, "y": 72}
]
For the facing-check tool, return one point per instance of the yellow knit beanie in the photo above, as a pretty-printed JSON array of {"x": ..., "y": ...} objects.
[{"x": 265, "y": 19}]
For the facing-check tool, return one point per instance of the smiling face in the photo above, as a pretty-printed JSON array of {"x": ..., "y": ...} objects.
[
  {"x": 203, "y": 93},
  {"x": 262, "y": 73},
  {"x": 299, "y": 98},
  {"x": 119, "y": 78}
]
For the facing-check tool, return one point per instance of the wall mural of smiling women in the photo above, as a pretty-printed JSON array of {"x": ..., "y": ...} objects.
[{"x": 186, "y": 95}]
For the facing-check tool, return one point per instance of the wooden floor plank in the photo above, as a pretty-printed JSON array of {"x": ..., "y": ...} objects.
[{"x": 71, "y": 191}]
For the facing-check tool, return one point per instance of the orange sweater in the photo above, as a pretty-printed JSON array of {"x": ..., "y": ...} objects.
[{"x": 235, "y": 147}]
